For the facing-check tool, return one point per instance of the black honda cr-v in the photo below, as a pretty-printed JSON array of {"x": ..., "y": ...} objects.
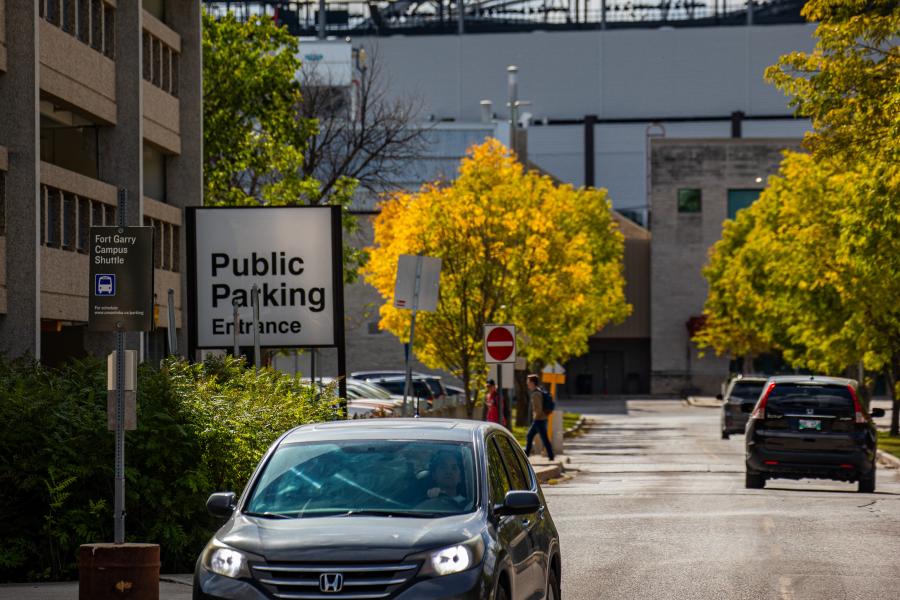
[
  {"x": 385, "y": 508},
  {"x": 811, "y": 426}
]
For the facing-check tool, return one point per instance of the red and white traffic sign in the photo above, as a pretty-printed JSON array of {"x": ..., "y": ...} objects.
[{"x": 499, "y": 344}]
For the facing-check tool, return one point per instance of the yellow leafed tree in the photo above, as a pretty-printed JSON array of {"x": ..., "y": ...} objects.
[{"x": 515, "y": 248}]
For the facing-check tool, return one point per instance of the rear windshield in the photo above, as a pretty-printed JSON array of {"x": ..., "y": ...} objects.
[
  {"x": 790, "y": 397},
  {"x": 746, "y": 391}
]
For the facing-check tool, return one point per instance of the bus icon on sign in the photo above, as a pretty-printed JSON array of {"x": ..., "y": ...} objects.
[{"x": 104, "y": 285}]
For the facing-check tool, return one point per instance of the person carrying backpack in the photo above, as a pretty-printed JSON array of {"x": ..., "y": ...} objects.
[{"x": 541, "y": 409}]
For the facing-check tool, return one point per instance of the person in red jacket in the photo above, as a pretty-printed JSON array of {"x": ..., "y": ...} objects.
[{"x": 493, "y": 402}]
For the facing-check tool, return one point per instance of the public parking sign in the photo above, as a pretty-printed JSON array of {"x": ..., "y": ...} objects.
[
  {"x": 121, "y": 281},
  {"x": 499, "y": 344}
]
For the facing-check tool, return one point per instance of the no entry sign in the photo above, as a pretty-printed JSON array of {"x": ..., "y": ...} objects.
[{"x": 499, "y": 344}]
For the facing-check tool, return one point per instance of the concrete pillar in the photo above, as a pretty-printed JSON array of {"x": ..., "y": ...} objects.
[
  {"x": 184, "y": 173},
  {"x": 20, "y": 328},
  {"x": 122, "y": 145}
]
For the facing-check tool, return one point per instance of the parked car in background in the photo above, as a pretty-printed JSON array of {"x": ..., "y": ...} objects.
[
  {"x": 743, "y": 389},
  {"x": 409, "y": 510},
  {"x": 811, "y": 426},
  {"x": 434, "y": 382}
]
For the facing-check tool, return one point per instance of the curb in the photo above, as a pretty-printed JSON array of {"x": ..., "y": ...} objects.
[
  {"x": 888, "y": 460},
  {"x": 575, "y": 429},
  {"x": 696, "y": 402},
  {"x": 547, "y": 472}
]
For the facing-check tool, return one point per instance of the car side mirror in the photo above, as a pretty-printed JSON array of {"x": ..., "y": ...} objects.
[
  {"x": 877, "y": 412},
  {"x": 718, "y": 396},
  {"x": 221, "y": 504},
  {"x": 519, "y": 503},
  {"x": 747, "y": 407}
]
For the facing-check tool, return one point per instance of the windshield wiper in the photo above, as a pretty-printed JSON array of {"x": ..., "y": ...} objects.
[{"x": 269, "y": 515}]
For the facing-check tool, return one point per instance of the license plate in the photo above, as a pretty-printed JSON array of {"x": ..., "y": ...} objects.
[{"x": 811, "y": 424}]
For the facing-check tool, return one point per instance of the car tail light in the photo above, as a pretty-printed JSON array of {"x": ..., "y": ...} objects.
[
  {"x": 760, "y": 410},
  {"x": 771, "y": 462},
  {"x": 846, "y": 466},
  {"x": 860, "y": 417}
]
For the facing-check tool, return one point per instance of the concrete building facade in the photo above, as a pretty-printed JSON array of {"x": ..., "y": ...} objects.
[
  {"x": 695, "y": 186},
  {"x": 96, "y": 96}
]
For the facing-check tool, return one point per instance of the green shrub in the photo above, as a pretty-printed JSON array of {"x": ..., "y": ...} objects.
[{"x": 201, "y": 428}]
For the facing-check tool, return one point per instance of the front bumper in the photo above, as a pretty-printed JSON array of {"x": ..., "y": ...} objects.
[{"x": 468, "y": 585}]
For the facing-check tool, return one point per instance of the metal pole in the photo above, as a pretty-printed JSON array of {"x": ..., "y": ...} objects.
[
  {"x": 749, "y": 12},
  {"x": 237, "y": 328},
  {"x": 312, "y": 366},
  {"x": 407, "y": 389},
  {"x": 322, "y": 21},
  {"x": 257, "y": 353},
  {"x": 512, "y": 80},
  {"x": 119, "y": 492},
  {"x": 602, "y": 14},
  {"x": 500, "y": 392},
  {"x": 173, "y": 334},
  {"x": 461, "y": 9}
]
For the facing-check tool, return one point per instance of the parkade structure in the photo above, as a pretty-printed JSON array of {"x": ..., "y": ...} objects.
[{"x": 616, "y": 91}]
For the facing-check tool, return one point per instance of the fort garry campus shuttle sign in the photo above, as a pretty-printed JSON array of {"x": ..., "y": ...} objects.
[{"x": 293, "y": 256}]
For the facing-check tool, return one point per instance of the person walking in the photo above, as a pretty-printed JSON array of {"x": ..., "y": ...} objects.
[
  {"x": 539, "y": 417},
  {"x": 493, "y": 402}
]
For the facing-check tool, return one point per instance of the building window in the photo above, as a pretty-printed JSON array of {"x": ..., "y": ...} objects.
[
  {"x": 53, "y": 220},
  {"x": 740, "y": 199},
  {"x": 68, "y": 221},
  {"x": 689, "y": 200},
  {"x": 89, "y": 21},
  {"x": 84, "y": 224}
]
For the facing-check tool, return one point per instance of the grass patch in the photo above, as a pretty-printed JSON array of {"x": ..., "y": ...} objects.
[
  {"x": 889, "y": 444},
  {"x": 569, "y": 420}
]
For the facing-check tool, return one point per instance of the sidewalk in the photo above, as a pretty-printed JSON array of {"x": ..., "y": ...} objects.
[
  {"x": 704, "y": 401},
  {"x": 171, "y": 587}
]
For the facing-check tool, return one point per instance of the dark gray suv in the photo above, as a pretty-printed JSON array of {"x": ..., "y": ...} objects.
[
  {"x": 741, "y": 390},
  {"x": 398, "y": 508},
  {"x": 811, "y": 426}
]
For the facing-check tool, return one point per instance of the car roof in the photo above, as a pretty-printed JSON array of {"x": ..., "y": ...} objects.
[
  {"x": 753, "y": 378},
  {"x": 391, "y": 373},
  {"x": 389, "y": 429},
  {"x": 813, "y": 379}
]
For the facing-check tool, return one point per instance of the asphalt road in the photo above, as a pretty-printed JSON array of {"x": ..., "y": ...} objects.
[{"x": 658, "y": 509}]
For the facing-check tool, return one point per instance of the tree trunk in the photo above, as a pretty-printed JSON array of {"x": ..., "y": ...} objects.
[
  {"x": 891, "y": 373},
  {"x": 470, "y": 401},
  {"x": 521, "y": 399},
  {"x": 748, "y": 364}
]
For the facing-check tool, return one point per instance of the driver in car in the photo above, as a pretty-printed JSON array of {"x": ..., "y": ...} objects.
[{"x": 445, "y": 478}]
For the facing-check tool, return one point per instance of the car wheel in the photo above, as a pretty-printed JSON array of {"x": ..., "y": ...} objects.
[
  {"x": 755, "y": 481},
  {"x": 553, "y": 591},
  {"x": 725, "y": 435},
  {"x": 867, "y": 484}
]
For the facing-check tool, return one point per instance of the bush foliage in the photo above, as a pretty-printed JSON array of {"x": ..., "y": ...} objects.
[{"x": 201, "y": 428}]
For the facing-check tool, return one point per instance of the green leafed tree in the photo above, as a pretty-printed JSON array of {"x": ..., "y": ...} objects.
[{"x": 254, "y": 138}]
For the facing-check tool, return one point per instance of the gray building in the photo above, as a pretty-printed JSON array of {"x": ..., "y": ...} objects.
[
  {"x": 96, "y": 96},
  {"x": 695, "y": 186}
]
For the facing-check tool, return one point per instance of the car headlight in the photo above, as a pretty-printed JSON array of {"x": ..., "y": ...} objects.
[
  {"x": 225, "y": 560},
  {"x": 453, "y": 559}
]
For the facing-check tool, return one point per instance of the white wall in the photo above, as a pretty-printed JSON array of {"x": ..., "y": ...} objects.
[{"x": 619, "y": 74}]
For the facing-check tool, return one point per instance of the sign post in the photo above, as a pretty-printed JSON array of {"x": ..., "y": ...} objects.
[
  {"x": 417, "y": 286},
  {"x": 500, "y": 350},
  {"x": 121, "y": 299}
]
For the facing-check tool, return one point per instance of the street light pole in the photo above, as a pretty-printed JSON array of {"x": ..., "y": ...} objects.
[{"x": 512, "y": 79}]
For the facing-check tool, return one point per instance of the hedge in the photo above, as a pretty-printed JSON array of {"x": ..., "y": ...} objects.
[{"x": 201, "y": 428}]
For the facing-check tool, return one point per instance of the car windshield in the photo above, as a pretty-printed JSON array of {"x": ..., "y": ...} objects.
[
  {"x": 367, "y": 390},
  {"x": 379, "y": 477},
  {"x": 746, "y": 391},
  {"x": 396, "y": 386},
  {"x": 833, "y": 399}
]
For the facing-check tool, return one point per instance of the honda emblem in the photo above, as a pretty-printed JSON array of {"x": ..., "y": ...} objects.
[{"x": 331, "y": 582}]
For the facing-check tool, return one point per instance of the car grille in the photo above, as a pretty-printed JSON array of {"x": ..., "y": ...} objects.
[{"x": 358, "y": 581}]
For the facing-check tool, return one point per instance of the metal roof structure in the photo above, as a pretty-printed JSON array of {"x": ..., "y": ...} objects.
[{"x": 434, "y": 17}]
